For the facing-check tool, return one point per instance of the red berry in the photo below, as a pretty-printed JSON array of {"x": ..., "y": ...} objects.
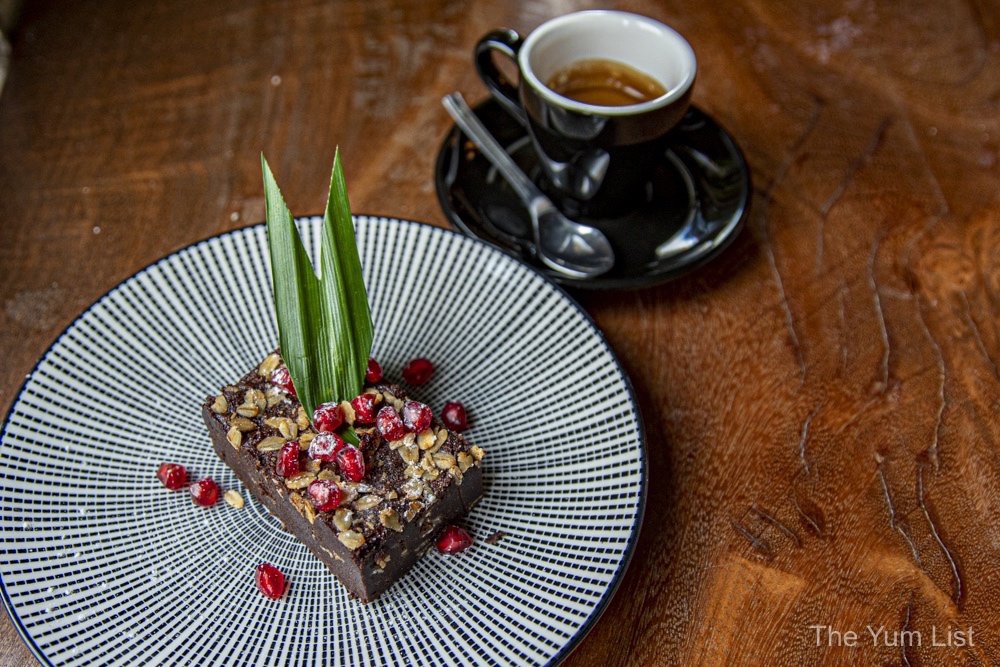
[
  {"x": 173, "y": 475},
  {"x": 454, "y": 417},
  {"x": 283, "y": 379},
  {"x": 352, "y": 463},
  {"x": 416, "y": 416},
  {"x": 205, "y": 492},
  {"x": 364, "y": 409},
  {"x": 453, "y": 539},
  {"x": 325, "y": 494},
  {"x": 374, "y": 372},
  {"x": 328, "y": 417},
  {"x": 324, "y": 446},
  {"x": 389, "y": 424},
  {"x": 270, "y": 580},
  {"x": 418, "y": 371},
  {"x": 287, "y": 464}
]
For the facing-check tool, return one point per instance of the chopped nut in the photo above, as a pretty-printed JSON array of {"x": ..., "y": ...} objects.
[
  {"x": 300, "y": 481},
  {"x": 393, "y": 401},
  {"x": 234, "y": 437},
  {"x": 367, "y": 502},
  {"x": 272, "y": 444},
  {"x": 350, "y": 491},
  {"x": 289, "y": 429},
  {"x": 343, "y": 518},
  {"x": 410, "y": 454},
  {"x": 248, "y": 410},
  {"x": 233, "y": 499},
  {"x": 256, "y": 397},
  {"x": 305, "y": 439},
  {"x": 269, "y": 364},
  {"x": 313, "y": 465},
  {"x": 285, "y": 426},
  {"x": 351, "y": 539},
  {"x": 412, "y": 511},
  {"x": 431, "y": 475},
  {"x": 383, "y": 560},
  {"x": 296, "y": 499},
  {"x": 302, "y": 419},
  {"x": 465, "y": 461},
  {"x": 477, "y": 453},
  {"x": 426, "y": 439},
  {"x": 406, "y": 441},
  {"x": 310, "y": 513},
  {"x": 274, "y": 396},
  {"x": 390, "y": 519},
  {"x": 413, "y": 488},
  {"x": 221, "y": 405},
  {"x": 349, "y": 414},
  {"x": 242, "y": 424},
  {"x": 457, "y": 474}
]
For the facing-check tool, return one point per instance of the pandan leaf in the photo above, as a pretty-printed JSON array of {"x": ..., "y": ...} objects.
[{"x": 324, "y": 322}]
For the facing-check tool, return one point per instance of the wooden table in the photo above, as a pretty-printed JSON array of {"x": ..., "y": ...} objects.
[{"x": 820, "y": 401}]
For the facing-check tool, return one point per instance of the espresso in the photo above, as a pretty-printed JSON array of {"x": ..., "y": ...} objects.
[{"x": 605, "y": 83}]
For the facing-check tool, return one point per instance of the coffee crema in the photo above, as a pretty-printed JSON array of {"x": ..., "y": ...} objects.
[{"x": 606, "y": 83}]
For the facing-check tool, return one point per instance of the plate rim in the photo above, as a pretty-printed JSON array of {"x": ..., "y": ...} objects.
[
  {"x": 598, "y": 611},
  {"x": 598, "y": 284}
]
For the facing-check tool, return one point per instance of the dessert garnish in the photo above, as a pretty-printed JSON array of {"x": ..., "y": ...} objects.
[
  {"x": 454, "y": 416},
  {"x": 204, "y": 492},
  {"x": 418, "y": 371},
  {"x": 324, "y": 323},
  {"x": 453, "y": 539},
  {"x": 173, "y": 475},
  {"x": 360, "y": 472},
  {"x": 270, "y": 580}
]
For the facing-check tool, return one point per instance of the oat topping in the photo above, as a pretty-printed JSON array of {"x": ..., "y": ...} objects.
[
  {"x": 221, "y": 405},
  {"x": 269, "y": 365},
  {"x": 351, "y": 539},
  {"x": 400, "y": 477},
  {"x": 233, "y": 499},
  {"x": 272, "y": 444},
  {"x": 300, "y": 481},
  {"x": 343, "y": 519}
]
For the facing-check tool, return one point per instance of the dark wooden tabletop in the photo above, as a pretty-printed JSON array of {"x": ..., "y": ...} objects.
[{"x": 821, "y": 401}]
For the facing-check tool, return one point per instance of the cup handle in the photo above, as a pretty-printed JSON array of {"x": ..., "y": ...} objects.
[{"x": 507, "y": 42}]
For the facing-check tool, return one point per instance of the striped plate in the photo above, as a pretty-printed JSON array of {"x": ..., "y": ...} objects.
[{"x": 102, "y": 565}]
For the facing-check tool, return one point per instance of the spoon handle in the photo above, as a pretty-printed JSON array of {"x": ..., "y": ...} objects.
[{"x": 494, "y": 152}]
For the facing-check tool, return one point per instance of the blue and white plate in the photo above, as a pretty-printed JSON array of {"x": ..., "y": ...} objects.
[{"x": 102, "y": 565}]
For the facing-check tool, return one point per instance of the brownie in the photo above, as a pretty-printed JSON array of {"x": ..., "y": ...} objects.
[{"x": 412, "y": 486}]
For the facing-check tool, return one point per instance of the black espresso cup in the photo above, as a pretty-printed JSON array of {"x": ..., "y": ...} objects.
[{"x": 596, "y": 158}]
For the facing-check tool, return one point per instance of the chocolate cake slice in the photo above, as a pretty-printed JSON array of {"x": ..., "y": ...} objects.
[{"x": 415, "y": 479}]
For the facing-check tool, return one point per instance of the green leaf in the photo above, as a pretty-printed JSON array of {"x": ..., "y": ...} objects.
[
  {"x": 350, "y": 435},
  {"x": 324, "y": 322}
]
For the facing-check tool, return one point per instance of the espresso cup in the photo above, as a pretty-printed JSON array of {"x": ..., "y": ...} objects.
[{"x": 596, "y": 159}]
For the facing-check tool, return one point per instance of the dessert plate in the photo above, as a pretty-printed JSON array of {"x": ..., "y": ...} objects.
[
  {"x": 101, "y": 565},
  {"x": 696, "y": 201}
]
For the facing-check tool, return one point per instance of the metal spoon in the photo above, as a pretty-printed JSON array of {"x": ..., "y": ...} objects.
[{"x": 565, "y": 246}]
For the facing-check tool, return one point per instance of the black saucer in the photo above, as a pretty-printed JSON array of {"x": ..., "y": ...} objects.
[{"x": 697, "y": 201}]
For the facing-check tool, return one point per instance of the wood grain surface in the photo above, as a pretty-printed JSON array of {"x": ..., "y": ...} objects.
[{"x": 820, "y": 401}]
